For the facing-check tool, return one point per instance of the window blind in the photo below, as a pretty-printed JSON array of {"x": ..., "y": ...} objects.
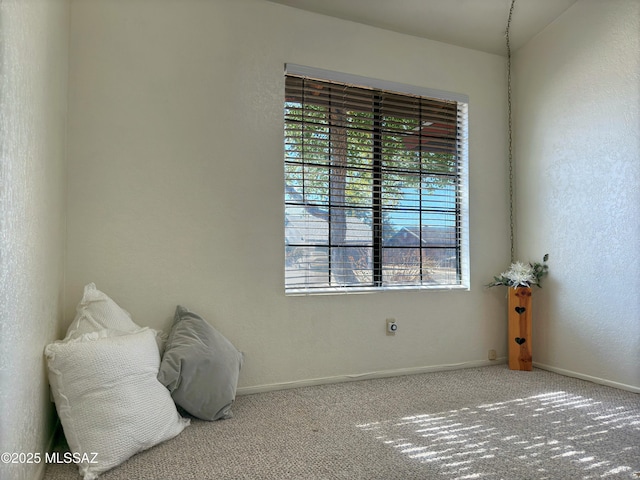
[{"x": 375, "y": 187}]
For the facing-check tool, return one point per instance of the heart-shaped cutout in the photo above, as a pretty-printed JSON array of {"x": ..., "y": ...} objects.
[
  {"x": 520, "y": 310},
  {"x": 520, "y": 341}
]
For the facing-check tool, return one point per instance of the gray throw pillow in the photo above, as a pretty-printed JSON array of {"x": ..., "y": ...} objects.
[{"x": 200, "y": 367}]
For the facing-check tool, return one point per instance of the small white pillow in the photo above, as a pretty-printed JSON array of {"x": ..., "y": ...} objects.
[
  {"x": 96, "y": 311},
  {"x": 108, "y": 397}
]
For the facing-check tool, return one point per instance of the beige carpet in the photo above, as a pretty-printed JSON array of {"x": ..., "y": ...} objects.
[{"x": 485, "y": 423}]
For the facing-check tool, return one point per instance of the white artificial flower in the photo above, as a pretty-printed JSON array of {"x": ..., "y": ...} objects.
[{"x": 520, "y": 274}]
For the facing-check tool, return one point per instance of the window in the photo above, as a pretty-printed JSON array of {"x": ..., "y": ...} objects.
[{"x": 375, "y": 185}]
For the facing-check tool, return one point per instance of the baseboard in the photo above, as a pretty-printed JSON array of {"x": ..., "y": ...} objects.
[
  {"x": 581, "y": 376},
  {"x": 365, "y": 376}
]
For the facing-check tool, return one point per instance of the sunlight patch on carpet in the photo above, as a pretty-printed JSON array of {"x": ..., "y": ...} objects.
[{"x": 544, "y": 435}]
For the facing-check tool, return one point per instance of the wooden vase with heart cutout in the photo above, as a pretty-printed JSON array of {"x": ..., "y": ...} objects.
[{"x": 520, "y": 355}]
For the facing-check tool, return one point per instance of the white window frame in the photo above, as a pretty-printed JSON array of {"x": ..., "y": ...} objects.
[{"x": 463, "y": 177}]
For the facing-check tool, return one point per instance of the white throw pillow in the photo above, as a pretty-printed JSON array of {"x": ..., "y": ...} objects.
[
  {"x": 97, "y": 311},
  {"x": 108, "y": 397}
]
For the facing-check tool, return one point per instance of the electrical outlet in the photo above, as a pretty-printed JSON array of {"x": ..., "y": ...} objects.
[
  {"x": 492, "y": 354},
  {"x": 392, "y": 326}
]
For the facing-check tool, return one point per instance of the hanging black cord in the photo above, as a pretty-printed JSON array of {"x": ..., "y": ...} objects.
[{"x": 511, "y": 221}]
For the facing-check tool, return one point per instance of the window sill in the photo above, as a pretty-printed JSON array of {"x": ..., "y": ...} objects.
[{"x": 360, "y": 290}]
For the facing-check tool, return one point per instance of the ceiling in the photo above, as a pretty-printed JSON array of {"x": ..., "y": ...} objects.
[{"x": 476, "y": 24}]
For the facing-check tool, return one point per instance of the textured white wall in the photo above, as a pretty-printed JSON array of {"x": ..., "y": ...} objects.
[
  {"x": 176, "y": 183},
  {"x": 33, "y": 66},
  {"x": 578, "y": 188}
]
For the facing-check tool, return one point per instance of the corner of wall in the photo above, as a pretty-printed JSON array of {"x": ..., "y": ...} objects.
[{"x": 33, "y": 101}]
